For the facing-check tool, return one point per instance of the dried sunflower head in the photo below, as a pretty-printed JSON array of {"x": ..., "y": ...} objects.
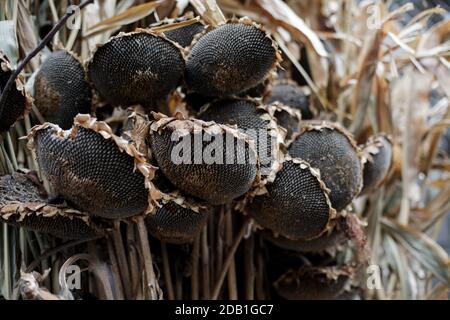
[
  {"x": 61, "y": 90},
  {"x": 296, "y": 205},
  {"x": 94, "y": 170},
  {"x": 230, "y": 59},
  {"x": 212, "y": 162},
  {"x": 24, "y": 203},
  {"x": 137, "y": 68},
  {"x": 331, "y": 150},
  {"x": 378, "y": 157}
]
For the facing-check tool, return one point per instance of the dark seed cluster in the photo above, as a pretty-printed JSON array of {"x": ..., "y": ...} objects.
[
  {"x": 295, "y": 206},
  {"x": 298, "y": 199},
  {"x": 137, "y": 68},
  {"x": 185, "y": 35},
  {"x": 248, "y": 118},
  {"x": 217, "y": 183},
  {"x": 175, "y": 223},
  {"x": 91, "y": 173},
  {"x": 61, "y": 90},
  {"x": 332, "y": 152},
  {"x": 295, "y": 181},
  {"x": 230, "y": 59},
  {"x": 20, "y": 188},
  {"x": 292, "y": 95}
]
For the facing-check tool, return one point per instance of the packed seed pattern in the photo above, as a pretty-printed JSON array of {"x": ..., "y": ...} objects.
[
  {"x": 61, "y": 89},
  {"x": 292, "y": 96},
  {"x": 295, "y": 205},
  {"x": 246, "y": 116},
  {"x": 18, "y": 188},
  {"x": 230, "y": 59},
  {"x": 175, "y": 224},
  {"x": 215, "y": 183},
  {"x": 185, "y": 35},
  {"x": 92, "y": 173},
  {"x": 331, "y": 152},
  {"x": 136, "y": 68}
]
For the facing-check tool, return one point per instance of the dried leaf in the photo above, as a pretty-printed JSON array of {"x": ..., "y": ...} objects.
[
  {"x": 284, "y": 16},
  {"x": 26, "y": 34},
  {"x": 131, "y": 15},
  {"x": 209, "y": 10},
  {"x": 410, "y": 96},
  {"x": 176, "y": 25},
  {"x": 383, "y": 107},
  {"x": 422, "y": 248},
  {"x": 366, "y": 72},
  {"x": 397, "y": 260},
  {"x": 8, "y": 41}
]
